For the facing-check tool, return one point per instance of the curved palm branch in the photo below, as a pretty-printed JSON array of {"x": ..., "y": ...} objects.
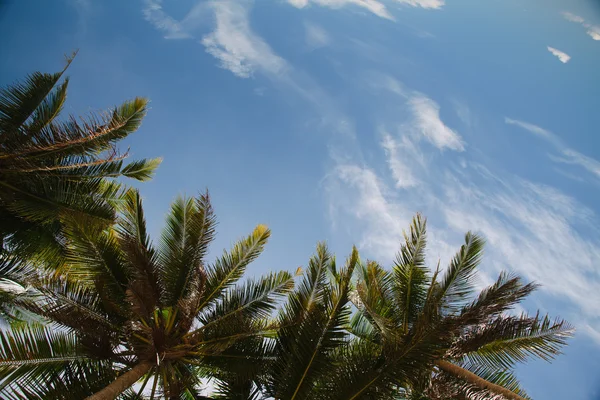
[
  {"x": 51, "y": 168},
  {"x": 162, "y": 314}
]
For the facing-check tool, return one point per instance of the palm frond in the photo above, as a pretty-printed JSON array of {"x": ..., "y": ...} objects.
[
  {"x": 253, "y": 300},
  {"x": 506, "y": 292},
  {"x": 410, "y": 277},
  {"x": 507, "y": 340},
  {"x": 19, "y": 101},
  {"x": 230, "y": 267},
  {"x": 33, "y": 353},
  {"x": 456, "y": 283},
  {"x": 304, "y": 350},
  {"x": 190, "y": 229},
  {"x": 144, "y": 288}
]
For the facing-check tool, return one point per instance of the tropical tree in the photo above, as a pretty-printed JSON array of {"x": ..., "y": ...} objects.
[
  {"x": 52, "y": 168},
  {"x": 131, "y": 312},
  {"x": 422, "y": 335},
  {"x": 311, "y": 330}
]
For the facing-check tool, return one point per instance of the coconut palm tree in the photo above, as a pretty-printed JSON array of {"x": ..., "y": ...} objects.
[
  {"x": 128, "y": 312},
  {"x": 311, "y": 330},
  {"x": 419, "y": 335},
  {"x": 51, "y": 167}
]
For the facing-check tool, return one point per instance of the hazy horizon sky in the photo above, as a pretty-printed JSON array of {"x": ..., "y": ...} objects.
[{"x": 338, "y": 120}]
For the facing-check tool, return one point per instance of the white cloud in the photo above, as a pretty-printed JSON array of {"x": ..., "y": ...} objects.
[
  {"x": 562, "y": 56},
  {"x": 568, "y": 155},
  {"x": 592, "y": 30},
  {"x": 236, "y": 46},
  {"x": 532, "y": 229},
  {"x": 154, "y": 14},
  {"x": 394, "y": 150},
  {"x": 572, "y": 17},
  {"x": 431, "y": 4},
  {"x": 374, "y": 6},
  {"x": 316, "y": 36},
  {"x": 427, "y": 121}
]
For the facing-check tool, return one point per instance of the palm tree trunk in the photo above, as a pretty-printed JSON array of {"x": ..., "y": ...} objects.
[
  {"x": 476, "y": 380},
  {"x": 122, "y": 383}
]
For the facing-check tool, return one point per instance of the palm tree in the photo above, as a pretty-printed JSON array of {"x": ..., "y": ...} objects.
[
  {"x": 51, "y": 168},
  {"x": 311, "y": 330},
  {"x": 131, "y": 312},
  {"x": 419, "y": 335}
]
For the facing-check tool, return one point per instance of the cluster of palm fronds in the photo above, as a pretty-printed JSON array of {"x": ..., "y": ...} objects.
[{"x": 96, "y": 310}]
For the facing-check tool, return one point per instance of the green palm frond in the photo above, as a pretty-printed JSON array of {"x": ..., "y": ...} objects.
[
  {"x": 33, "y": 353},
  {"x": 456, "y": 283},
  {"x": 230, "y": 267},
  {"x": 410, "y": 275},
  {"x": 237, "y": 389},
  {"x": 254, "y": 299},
  {"x": 445, "y": 385},
  {"x": 506, "y": 292},
  {"x": 375, "y": 300},
  {"x": 144, "y": 289},
  {"x": 74, "y": 382},
  {"x": 307, "y": 339},
  {"x": 94, "y": 257},
  {"x": 190, "y": 229},
  {"x": 508, "y": 340},
  {"x": 20, "y": 101},
  {"x": 51, "y": 169}
]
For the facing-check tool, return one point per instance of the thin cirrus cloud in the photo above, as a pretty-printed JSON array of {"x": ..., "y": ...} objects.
[
  {"x": 154, "y": 13},
  {"x": 561, "y": 55},
  {"x": 592, "y": 30},
  {"x": 373, "y": 6},
  {"x": 236, "y": 46},
  {"x": 567, "y": 155},
  {"x": 427, "y": 122},
  {"x": 316, "y": 36},
  {"x": 532, "y": 229}
]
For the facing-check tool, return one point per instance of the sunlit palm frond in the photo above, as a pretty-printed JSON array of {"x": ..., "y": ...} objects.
[
  {"x": 457, "y": 282},
  {"x": 190, "y": 229},
  {"x": 508, "y": 340},
  {"x": 230, "y": 267},
  {"x": 410, "y": 275},
  {"x": 308, "y": 336}
]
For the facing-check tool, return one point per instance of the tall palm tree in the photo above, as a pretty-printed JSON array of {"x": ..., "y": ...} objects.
[
  {"x": 419, "y": 335},
  {"x": 51, "y": 168},
  {"x": 131, "y": 312},
  {"x": 311, "y": 330}
]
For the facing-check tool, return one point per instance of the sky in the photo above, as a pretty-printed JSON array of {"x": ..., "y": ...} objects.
[{"x": 338, "y": 120}]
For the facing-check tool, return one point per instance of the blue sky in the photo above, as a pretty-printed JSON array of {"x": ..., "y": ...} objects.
[{"x": 337, "y": 120}]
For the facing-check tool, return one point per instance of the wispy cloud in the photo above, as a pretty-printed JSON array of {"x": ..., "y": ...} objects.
[
  {"x": 431, "y": 4},
  {"x": 567, "y": 155},
  {"x": 316, "y": 36},
  {"x": 561, "y": 55},
  {"x": 394, "y": 150},
  {"x": 374, "y": 6},
  {"x": 234, "y": 43},
  {"x": 427, "y": 121},
  {"x": 592, "y": 30},
  {"x": 154, "y": 13},
  {"x": 532, "y": 229}
]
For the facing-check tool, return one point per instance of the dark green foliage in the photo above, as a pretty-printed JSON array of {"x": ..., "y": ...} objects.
[
  {"x": 124, "y": 302},
  {"x": 52, "y": 169}
]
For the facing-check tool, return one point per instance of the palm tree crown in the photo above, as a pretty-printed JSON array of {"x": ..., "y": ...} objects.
[
  {"x": 128, "y": 310},
  {"x": 51, "y": 169},
  {"x": 436, "y": 340}
]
